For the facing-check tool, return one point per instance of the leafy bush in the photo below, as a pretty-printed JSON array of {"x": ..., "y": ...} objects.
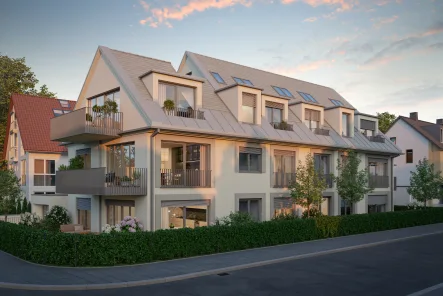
[
  {"x": 169, "y": 104},
  {"x": 56, "y": 248},
  {"x": 313, "y": 213},
  {"x": 284, "y": 216},
  {"x": 55, "y": 217},
  {"x": 29, "y": 219},
  {"x": 235, "y": 219},
  {"x": 128, "y": 224}
]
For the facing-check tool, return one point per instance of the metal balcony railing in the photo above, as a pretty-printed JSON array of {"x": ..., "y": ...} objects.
[
  {"x": 320, "y": 131},
  {"x": 377, "y": 138},
  {"x": 283, "y": 126},
  {"x": 376, "y": 181},
  {"x": 185, "y": 178},
  {"x": 283, "y": 180},
  {"x": 185, "y": 112}
]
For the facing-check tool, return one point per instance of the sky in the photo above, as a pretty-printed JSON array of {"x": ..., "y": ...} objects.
[{"x": 380, "y": 55}]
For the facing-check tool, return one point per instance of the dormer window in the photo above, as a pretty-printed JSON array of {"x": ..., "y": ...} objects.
[
  {"x": 308, "y": 97},
  {"x": 64, "y": 103},
  {"x": 346, "y": 124},
  {"x": 367, "y": 127},
  {"x": 248, "y": 108},
  {"x": 283, "y": 92},
  {"x": 218, "y": 78},
  {"x": 274, "y": 112},
  {"x": 336, "y": 102},
  {"x": 312, "y": 119},
  {"x": 243, "y": 81},
  {"x": 182, "y": 96}
]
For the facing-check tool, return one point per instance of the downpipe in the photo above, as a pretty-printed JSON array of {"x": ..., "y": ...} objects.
[{"x": 152, "y": 172}]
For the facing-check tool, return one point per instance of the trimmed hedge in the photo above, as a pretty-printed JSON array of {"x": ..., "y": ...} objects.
[{"x": 65, "y": 249}]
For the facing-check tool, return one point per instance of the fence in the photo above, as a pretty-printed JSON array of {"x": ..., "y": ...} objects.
[{"x": 10, "y": 218}]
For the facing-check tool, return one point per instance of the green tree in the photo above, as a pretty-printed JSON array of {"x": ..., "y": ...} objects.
[
  {"x": 15, "y": 77},
  {"x": 29, "y": 207},
  {"x": 385, "y": 120},
  {"x": 307, "y": 190},
  {"x": 24, "y": 208},
  {"x": 10, "y": 192},
  {"x": 425, "y": 182},
  {"x": 352, "y": 183}
]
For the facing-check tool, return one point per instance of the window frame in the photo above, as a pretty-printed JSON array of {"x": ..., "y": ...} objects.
[
  {"x": 176, "y": 86},
  {"x": 411, "y": 160},
  {"x": 259, "y": 206},
  {"x": 44, "y": 174},
  {"x": 215, "y": 74},
  {"x": 310, "y": 121},
  {"x": 348, "y": 125},
  {"x": 272, "y": 114},
  {"x": 112, "y": 160}
]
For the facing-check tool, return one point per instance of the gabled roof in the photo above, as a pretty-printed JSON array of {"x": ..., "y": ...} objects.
[
  {"x": 429, "y": 130},
  {"x": 33, "y": 116}
]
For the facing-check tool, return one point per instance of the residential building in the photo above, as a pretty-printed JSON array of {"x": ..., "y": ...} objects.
[
  {"x": 30, "y": 152},
  {"x": 230, "y": 142},
  {"x": 417, "y": 139}
]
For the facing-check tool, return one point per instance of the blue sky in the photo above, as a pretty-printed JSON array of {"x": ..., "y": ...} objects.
[{"x": 381, "y": 55}]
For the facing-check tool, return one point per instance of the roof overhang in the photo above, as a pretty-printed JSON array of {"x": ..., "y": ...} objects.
[
  {"x": 193, "y": 78},
  {"x": 235, "y": 85}
]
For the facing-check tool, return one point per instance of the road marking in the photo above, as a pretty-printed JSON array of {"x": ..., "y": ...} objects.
[
  {"x": 427, "y": 290},
  {"x": 201, "y": 273}
]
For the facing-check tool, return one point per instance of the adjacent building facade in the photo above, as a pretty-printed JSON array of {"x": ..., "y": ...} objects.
[
  {"x": 417, "y": 139},
  {"x": 230, "y": 142},
  {"x": 30, "y": 152}
]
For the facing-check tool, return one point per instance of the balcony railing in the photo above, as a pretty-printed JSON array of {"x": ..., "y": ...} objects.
[
  {"x": 283, "y": 180},
  {"x": 283, "y": 126},
  {"x": 377, "y": 138},
  {"x": 185, "y": 112},
  {"x": 185, "y": 178},
  {"x": 85, "y": 125},
  {"x": 376, "y": 181},
  {"x": 100, "y": 182},
  {"x": 320, "y": 131}
]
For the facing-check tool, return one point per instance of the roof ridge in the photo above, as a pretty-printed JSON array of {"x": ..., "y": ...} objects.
[
  {"x": 269, "y": 72},
  {"x": 138, "y": 55},
  {"x": 40, "y": 97},
  {"x": 418, "y": 120}
]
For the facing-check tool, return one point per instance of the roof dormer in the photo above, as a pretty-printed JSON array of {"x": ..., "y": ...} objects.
[
  {"x": 341, "y": 120},
  {"x": 368, "y": 126},
  {"x": 312, "y": 115}
]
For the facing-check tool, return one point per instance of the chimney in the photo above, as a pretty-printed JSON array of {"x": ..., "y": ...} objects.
[
  {"x": 413, "y": 115},
  {"x": 439, "y": 121}
]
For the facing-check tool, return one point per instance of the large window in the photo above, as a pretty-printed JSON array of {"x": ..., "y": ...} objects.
[
  {"x": 346, "y": 208},
  {"x": 183, "y": 96},
  {"x": 181, "y": 214},
  {"x": 367, "y": 127},
  {"x": 345, "y": 125},
  {"x": 248, "y": 108},
  {"x": 110, "y": 96},
  {"x": 284, "y": 206},
  {"x": 118, "y": 209},
  {"x": 44, "y": 172},
  {"x": 409, "y": 156},
  {"x": 250, "y": 160},
  {"x": 284, "y": 168},
  {"x": 312, "y": 118},
  {"x": 250, "y": 206},
  {"x": 378, "y": 167},
  {"x": 121, "y": 159},
  {"x": 274, "y": 112}
]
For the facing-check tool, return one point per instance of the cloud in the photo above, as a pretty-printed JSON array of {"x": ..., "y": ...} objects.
[
  {"x": 310, "y": 20},
  {"x": 435, "y": 29},
  {"x": 343, "y": 4},
  {"x": 423, "y": 92},
  {"x": 437, "y": 46},
  {"x": 144, "y": 5},
  {"x": 305, "y": 66},
  {"x": 348, "y": 49},
  {"x": 380, "y": 21}
]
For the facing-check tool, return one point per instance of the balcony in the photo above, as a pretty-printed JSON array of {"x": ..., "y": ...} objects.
[
  {"x": 320, "y": 131},
  {"x": 377, "y": 138},
  {"x": 282, "y": 126},
  {"x": 99, "y": 182},
  {"x": 376, "y": 181},
  {"x": 185, "y": 112},
  {"x": 85, "y": 125},
  {"x": 283, "y": 180},
  {"x": 171, "y": 178}
]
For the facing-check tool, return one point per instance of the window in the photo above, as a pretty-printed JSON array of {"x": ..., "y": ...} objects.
[
  {"x": 180, "y": 214},
  {"x": 23, "y": 172},
  {"x": 345, "y": 125},
  {"x": 243, "y": 81},
  {"x": 284, "y": 206},
  {"x": 409, "y": 156},
  {"x": 45, "y": 209},
  {"x": 218, "y": 78},
  {"x": 57, "y": 112},
  {"x": 308, "y": 97},
  {"x": 393, "y": 140},
  {"x": 84, "y": 212},
  {"x": 345, "y": 208},
  {"x": 336, "y": 102},
  {"x": 322, "y": 166},
  {"x": 274, "y": 112},
  {"x": 250, "y": 160},
  {"x": 44, "y": 172},
  {"x": 376, "y": 209},
  {"x": 312, "y": 118},
  {"x": 85, "y": 154},
  {"x": 121, "y": 159},
  {"x": 378, "y": 167},
  {"x": 283, "y": 92},
  {"x": 64, "y": 104},
  {"x": 284, "y": 168},
  {"x": 248, "y": 108},
  {"x": 113, "y": 96},
  {"x": 367, "y": 127},
  {"x": 251, "y": 206},
  {"x": 183, "y": 96},
  {"x": 116, "y": 210}
]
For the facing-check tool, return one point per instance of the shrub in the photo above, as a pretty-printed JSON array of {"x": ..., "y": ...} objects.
[
  {"x": 284, "y": 216},
  {"x": 313, "y": 213},
  {"x": 29, "y": 219},
  {"x": 235, "y": 219},
  {"x": 56, "y": 248},
  {"x": 55, "y": 217},
  {"x": 169, "y": 104},
  {"x": 128, "y": 224}
]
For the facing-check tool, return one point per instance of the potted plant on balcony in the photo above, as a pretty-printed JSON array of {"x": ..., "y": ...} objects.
[
  {"x": 125, "y": 181},
  {"x": 88, "y": 117},
  {"x": 283, "y": 125},
  {"x": 136, "y": 177},
  {"x": 168, "y": 105},
  {"x": 171, "y": 226}
]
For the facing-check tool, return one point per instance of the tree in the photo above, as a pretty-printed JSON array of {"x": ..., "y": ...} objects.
[
  {"x": 10, "y": 192},
  {"x": 425, "y": 182},
  {"x": 307, "y": 190},
  {"x": 15, "y": 77},
  {"x": 385, "y": 120},
  {"x": 352, "y": 183},
  {"x": 24, "y": 208},
  {"x": 18, "y": 209}
]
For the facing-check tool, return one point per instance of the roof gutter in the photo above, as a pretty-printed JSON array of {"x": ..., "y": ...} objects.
[{"x": 152, "y": 188}]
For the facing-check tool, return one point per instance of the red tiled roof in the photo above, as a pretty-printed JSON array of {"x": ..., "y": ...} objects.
[{"x": 33, "y": 118}]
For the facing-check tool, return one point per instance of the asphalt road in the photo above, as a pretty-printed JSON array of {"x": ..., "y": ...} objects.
[{"x": 400, "y": 268}]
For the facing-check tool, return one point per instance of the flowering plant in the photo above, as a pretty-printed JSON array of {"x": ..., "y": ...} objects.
[{"x": 128, "y": 224}]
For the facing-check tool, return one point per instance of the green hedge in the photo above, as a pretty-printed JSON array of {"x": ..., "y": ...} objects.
[{"x": 64, "y": 249}]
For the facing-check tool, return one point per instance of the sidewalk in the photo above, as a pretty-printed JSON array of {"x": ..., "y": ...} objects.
[{"x": 19, "y": 274}]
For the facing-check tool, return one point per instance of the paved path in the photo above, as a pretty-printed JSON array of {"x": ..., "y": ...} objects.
[{"x": 15, "y": 273}]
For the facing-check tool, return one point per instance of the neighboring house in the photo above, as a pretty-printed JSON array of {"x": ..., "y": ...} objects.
[
  {"x": 30, "y": 152},
  {"x": 230, "y": 143},
  {"x": 417, "y": 139}
]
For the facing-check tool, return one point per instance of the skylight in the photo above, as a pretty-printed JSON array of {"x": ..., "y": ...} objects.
[
  {"x": 218, "y": 77},
  {"x": 57, "y": 112},
  {"x": 308, "y": 97},
  {"x": 283, "y": 92},
  {"x": 64, "y": 103},
  {"x": 243, "y": 81},
  {"x": 336, "y": 102}
]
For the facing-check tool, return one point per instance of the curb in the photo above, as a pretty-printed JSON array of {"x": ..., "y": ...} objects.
[{"x": 201, "y": 273}]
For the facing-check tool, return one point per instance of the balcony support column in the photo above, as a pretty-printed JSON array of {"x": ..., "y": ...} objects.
[{"x": 152, "y": 179}]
